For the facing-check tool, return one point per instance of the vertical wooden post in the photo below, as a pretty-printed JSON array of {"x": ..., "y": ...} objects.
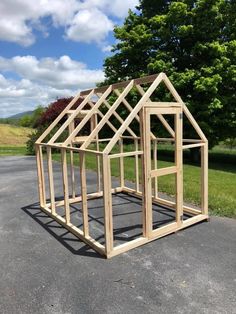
[
  {"x": 107, "y": 196},
  {"x": 72, "y": 171},
  {"x": 95, "y": 122},
  {"x": 136, "y": 167},
  {"x": 204, "y": 178},
  {"x": 50, "y": 180},
  {"x": 83, "y": 184},
  {"x": 146, "y": 169},
  {"x": 41, "y": 181},
  {"x": 155, "y": 167},
  {"x": 65, "y": 185},
  {"x": 122, "y": 180},
  {"x": 179, "y": 165}
]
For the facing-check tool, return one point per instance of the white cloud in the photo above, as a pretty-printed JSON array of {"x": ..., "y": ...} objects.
[
  {"x": 89, "y": 25},
  {"x": 42, "y": 80},
  {"x": 84, "y": 21},
  {"x": 107, "y": 48},
  {"x": 18, "y": 17}
]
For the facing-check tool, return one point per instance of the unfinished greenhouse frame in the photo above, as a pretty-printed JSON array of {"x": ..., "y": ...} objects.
[{"x": 126, "y": 111}]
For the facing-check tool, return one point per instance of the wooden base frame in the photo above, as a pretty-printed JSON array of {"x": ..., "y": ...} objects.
[{"x": 147, "y": 172}]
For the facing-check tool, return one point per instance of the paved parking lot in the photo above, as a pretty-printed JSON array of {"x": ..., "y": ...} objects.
[{"x": 44, "y": 269}]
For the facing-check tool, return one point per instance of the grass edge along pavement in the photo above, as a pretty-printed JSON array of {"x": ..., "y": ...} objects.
[
  {"x": 222, "y": 196},
  {"x": 222, "y": 180}
]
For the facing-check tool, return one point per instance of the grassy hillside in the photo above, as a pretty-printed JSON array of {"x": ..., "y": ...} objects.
[{"x": 11, "y": 135}]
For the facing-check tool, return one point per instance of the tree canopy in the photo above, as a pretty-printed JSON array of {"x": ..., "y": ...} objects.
[{"x": 194, "y": 43}]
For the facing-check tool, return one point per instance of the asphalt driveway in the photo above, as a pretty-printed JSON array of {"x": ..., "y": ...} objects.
[{"x": 44, "y": 269}]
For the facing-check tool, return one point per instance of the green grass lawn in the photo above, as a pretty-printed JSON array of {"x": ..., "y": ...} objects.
[
  {"x": 222, "y": 183},
  {"x": 222, "y": 177},
  {"x": 6, "y": 150}
]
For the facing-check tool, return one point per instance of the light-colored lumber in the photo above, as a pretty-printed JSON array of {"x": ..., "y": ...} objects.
[
  {"x": 143, "y": 189},
  {"x": 126, "y": 154},
  {"x": 50, "y": 179},
  {"x": 204, "y": 178},
  {"x": 162, "y": 201},
  {"x": 136, "y": 166},
  {"x": 70, "y": 119},
  {"x": 144, "y": 174},
  {"x": 121, "y": 163},
  {"x": 65, "y": 185},
  {"x": 163, "y": 171},
  {"x": 194, "y": 123},
  {"x": 161, "y": 104},
  {"x": 155, "y": 167},
  {"x": 77, "y": 232},
  {"x": 108, "y": 115},
  {"x": 119, "y": 118},
  {"x": 160, "y": 117},
  {"x": 192, "y": 145},
  {"x": 40, "y": 170},
  {"x": 142, "y": 80},
  {"x": 98, "y": 161},
  {"x": 179, "y": 166},
  {"x": 108, "y": 225},
  {"x": 89, "y": 115},
  {"x": 147, "y": 170},
  {"x": 72, "y": 172},
  {"x": 131, "y": 116},
  {"x": 58, "y": 119},
  {"x": 83, "y": 184}
]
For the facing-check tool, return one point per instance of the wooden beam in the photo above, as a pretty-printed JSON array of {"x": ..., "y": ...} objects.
[
  {"x": 55, "y": 122},
  {"x": 107, "y": 115},
  {"x": 163, "y": 171},
  {"x": 133, "y": 114},
  {"x": 88, "y": 116},
  {"x": 160, "y": 117},
  {"x": 192, "y": 145},
  {"x": 70, "y": 119},
  {"x": 107, "y": 204},
  {"x": 40, "y": 170},
  {"x": 50, "y": 179},
  {"x": 179, "y": 166},
  {"x": 142, "y": 80},
  {"x": 204, "y": 179},
  {"x": 162, "y": 104},
  {"x": 65, "y": 184},
  {"x": 83, "y": 185}
]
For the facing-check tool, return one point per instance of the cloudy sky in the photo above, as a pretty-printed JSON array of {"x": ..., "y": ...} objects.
[{"x": 53, "y": 48}]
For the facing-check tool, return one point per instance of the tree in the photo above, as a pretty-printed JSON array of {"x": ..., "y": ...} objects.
[
  {"x": 194, "y": 43},
  {"x": 43, "y": 117},
  {"x": 25, "y": 121}
]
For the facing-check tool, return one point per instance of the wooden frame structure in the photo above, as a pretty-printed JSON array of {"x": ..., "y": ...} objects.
[{"x": 104, "y": 104}]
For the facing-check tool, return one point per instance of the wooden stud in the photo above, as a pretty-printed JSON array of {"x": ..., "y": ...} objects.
[
  {"x": 40, "y": 169},
  {"x": 108, "y": 225},
  {"x": 179, "y": 166},
  {"x": 136, "y": 166},
  {"x": 65, "y": 184},
  {"x": 204, "y": 178},
  {"x": 50, "y": 179},
  {"x": 141, "y": 112},
  {"x": 83, "y": 185},
  {"x": 72, "y": 171},
  {"x": 121, "y": 164},
  {"x": 155, "y": 167}
]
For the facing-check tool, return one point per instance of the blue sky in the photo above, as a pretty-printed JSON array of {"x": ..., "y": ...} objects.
[{"x": 53, "y": 48}]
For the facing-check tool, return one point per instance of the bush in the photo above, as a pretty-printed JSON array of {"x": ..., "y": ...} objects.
[{"x": 44, "y": 117}]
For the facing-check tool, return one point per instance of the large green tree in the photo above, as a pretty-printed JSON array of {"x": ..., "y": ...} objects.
[{"x": 194, "y": 43}]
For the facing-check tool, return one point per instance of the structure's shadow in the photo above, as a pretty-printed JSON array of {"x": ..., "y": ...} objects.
[
  {"x": 66, "y": 238},
  {"x": 124, "y": 228}
]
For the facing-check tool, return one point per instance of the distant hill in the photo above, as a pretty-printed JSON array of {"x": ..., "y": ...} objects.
[{"x": 20, "y": 115}]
